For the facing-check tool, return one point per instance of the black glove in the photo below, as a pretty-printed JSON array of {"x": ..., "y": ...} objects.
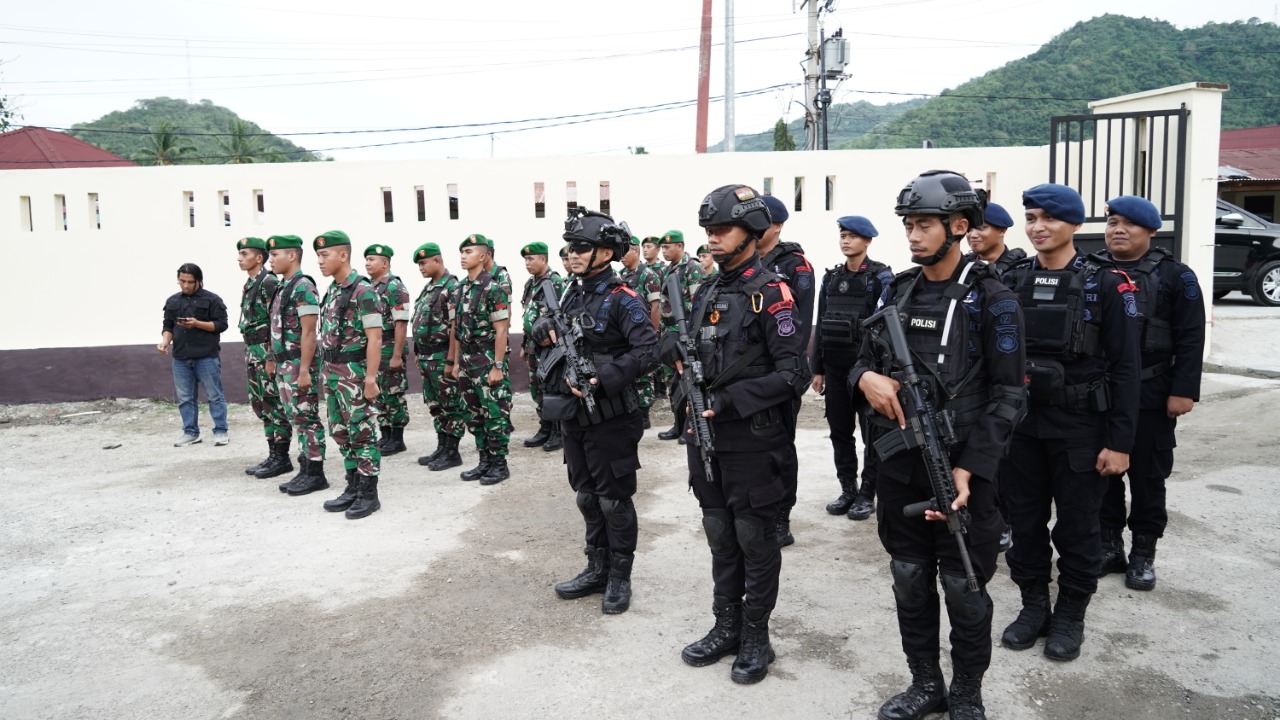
[
  {"x": 541, "y": 330},
  {"x": 668, "y": 348}
]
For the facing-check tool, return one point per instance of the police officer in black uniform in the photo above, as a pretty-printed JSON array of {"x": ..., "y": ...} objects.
[
  {"x": 750, "y": 343},
  {"x": 987, "y": 240},
  {"x": 1082, "y": 363},
  {"x": 1171, "y": 332},
  {"x": 849, "y": 294},
  {"x": 787, "y": 259},
  {"x": 964, "y": 331},
  {"x": 600, "y": 445}
]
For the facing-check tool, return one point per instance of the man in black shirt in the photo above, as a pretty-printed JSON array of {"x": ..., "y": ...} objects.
[{"x": 193, "y": 320}]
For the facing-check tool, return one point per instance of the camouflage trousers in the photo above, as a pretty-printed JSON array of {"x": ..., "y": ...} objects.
[
  {"x": 391, "y": 405},
  {"x": 488, "y": 409},
  {"x": 264, "y": 397},
  {"x": 303, "y": 407},
  {"x": 352, "y": 418},
  {"x": 644, "y": 386},
  {"x": 441, "y": 396},
  {"x": 535, "y": 385}
]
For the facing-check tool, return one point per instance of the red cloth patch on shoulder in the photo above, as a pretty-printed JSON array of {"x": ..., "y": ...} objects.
[
  {"x": 625, "y": 289},
  {"x": 748, "y": 273}
]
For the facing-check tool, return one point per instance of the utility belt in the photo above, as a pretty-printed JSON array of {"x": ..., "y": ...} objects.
[
  {"x": 1048, "y": 386},
  {"x": 287, "y": 355},
  {"x": 1156, "y": 370},
  {"x": 475, "y": 345},
  {"x": 608, "y": 408},
  {"x": 422, "y": 349},
  {"x": 343, "y": 356},
  {"x": 257, "y": 337}
]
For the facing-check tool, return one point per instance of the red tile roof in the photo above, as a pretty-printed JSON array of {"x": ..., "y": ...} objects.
[
  {"x": 34, "y": 147},
  {"x": 1258, "y": 164},
  {"x": 1252, "y": 138}
]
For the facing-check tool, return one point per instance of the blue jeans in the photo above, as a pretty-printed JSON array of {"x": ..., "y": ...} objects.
[{"x": 206, "y": 371}]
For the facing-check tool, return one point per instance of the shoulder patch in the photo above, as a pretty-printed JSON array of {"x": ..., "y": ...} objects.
[{"x": 1190, "y": 285}]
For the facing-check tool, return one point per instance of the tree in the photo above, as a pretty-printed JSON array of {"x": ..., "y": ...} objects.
[
  {"x": 782, "y": 139},
  {"x": 164, "y": 146},
  {"x": 243, "y": 144}
]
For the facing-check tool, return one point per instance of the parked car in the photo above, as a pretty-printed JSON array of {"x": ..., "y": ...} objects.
[{"x": 1246, "y": 255}]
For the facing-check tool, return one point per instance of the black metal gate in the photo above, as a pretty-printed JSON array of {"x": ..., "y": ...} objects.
[{"x": 1132, "y": 153}]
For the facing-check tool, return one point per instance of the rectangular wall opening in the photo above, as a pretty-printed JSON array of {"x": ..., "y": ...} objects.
[
  {"x": 539, "y": 200},
  {"x": 767, "y": 186},
  {"x": 259, "y": 202},
  {"x": 60, "y": 211},
  {"x": 452, "y": 189},
  {"x": 24, "y": 213},
  {"x": 799, "y": 205},
  {"x": 388, "y": 215},
  {"x": 831, "y": 192},
  {"x": 95, "y": 211},
  {"x": 571, "y": 194},
  {"x": 604, "y": 197},
  {"x": 189, "y": 207},
  {"x": 224, "y": 200},
  {"x": 422, "y": 202}
]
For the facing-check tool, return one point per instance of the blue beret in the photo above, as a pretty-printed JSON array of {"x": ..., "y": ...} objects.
[
  {"x": 777, "y": 209},
  {"x": 1059, "y": 201},
  {"x": 997, "y": 216},
  {"x": 1139, "y": 211},
  {"x": 858, "y": 225}
]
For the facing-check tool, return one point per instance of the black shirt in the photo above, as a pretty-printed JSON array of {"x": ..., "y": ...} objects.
[{"x": 192, "y": 343}]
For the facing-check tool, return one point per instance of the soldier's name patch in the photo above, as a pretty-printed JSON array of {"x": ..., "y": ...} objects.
[
  {"x": 924, "y": 323},
  {"x": 1049, "y": 281}
]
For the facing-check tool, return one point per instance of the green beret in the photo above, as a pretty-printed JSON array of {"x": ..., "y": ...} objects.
[
  {"x": 533, "y": 248},
  {"x": 251, "y": 243},
  {"x": 382, "y": 250},
  {"x": 635, "y": 240},
  {"x": 426, "y": 250},
  {"x": 652, "y": 240},
  {"x": 672, "y": 237},
  {"x": 476, "y": 241},
  {"x": 704, "y": 249},
  {"x": 283, "y": 241},
  {"x": 564, "y": 251},
  {"x": 333, "y": 238}
]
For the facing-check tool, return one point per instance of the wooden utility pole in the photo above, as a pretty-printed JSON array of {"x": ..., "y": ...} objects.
[{"x": 704, "y": 78}]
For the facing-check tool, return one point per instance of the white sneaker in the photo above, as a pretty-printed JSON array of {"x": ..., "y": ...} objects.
[
  {"x": 221, "y": 438},
  {"x": 186, "y": 440}
]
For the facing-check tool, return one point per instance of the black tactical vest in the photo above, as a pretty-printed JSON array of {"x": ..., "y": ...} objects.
[
  {"x": 1053, "y": 307},
  {"x": 849, "y": 300},
  {"x": 730, "y": 331},
  {"x": 1155, "y": 331}
]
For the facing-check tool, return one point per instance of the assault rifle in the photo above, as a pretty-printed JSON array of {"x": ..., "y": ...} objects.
[
  {"x": 693, "y": 380},
  {"x": 578, "y": 369},
  {"x": 926, "y": 429}
]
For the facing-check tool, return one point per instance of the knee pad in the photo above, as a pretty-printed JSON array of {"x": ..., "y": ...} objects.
[
  {"x": 589, "y": 507},
  {"x": 619, "y": 513},
  {"x": 718, "y": 525},
  {"x": 912, "y": 582},
  {"x": 752, "y": 537},
  {"x": 964, "y": 604}
]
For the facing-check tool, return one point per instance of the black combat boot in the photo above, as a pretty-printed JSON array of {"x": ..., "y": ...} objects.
[
  {"x": 1113, "y": 551},
  {"x": 366, "y": 502},
  {"x": 646, "y": 424},
  {"x": 1066, "y": 628},
  {"x": 348, "y": 496},
  {"x": 496, "y": 472},
  {"x": 1032, "y": 621},
  {"x": 591, "y": 580},
  {"x": 253, "y": 469},
  {"x": 927, "y": 693},
  {"x": 1006, "y": 540},
  {"x": 966, "y": 697},
  {"x": 782, "y": 527},
  {"x": 480, "y": 469},
  {"x": 539, "y": 438},
  {"x": 555, "y": 441},
  {"x": 841, "y": 505},
  {"x": 384, "y": 437},
  {"x": 315, "y": 480},
  {"x": 724, "y": 637},
  {"x": 674, "y": 433},
  {"x": 303, "y": 463},
  {"x": 441, "y": 444},
  {"x": 617, "y": 593},
  {"x": 278, "y": 463},
  {"x": 448, "y": 457},
  {"x": 754, "y": 651},
  {"x": 393, "y": 444},
  {"x": 864, "y": 505},
  {"x": 1141, "y": 574}
]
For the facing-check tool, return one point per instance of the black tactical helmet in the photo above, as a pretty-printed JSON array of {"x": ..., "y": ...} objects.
[
  {"x": 941, "y": 192},
  {"x": 593, "y": 228},
  {"x": 735, "y": 205}
]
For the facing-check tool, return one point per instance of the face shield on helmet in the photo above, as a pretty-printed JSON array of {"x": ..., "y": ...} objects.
[{"x": 941, "y": 193}]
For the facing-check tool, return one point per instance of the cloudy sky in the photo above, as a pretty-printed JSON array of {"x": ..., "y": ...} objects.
[{"x": 452, "y": 69}]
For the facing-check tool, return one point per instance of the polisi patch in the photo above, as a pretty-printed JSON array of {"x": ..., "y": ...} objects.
[
  {"x": 924, "y": 323},
  {"x": 1047, "y": 281}
]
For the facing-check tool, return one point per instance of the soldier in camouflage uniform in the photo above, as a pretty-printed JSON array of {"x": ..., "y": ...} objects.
[
  {"x": 644, "y": 280},
  {"x": 689, "y": 274},
  {"x": 393, "y": 383},
  {"x": 480, "y": 319},
  {"x": 351, "y": 349},
  {"x": 535, "y": 261},
  {"x": 707, "y": 262},
  {"x": 255, "y": 306},
  {"x": 431, "y": 346},
  {"x": 564, "y": 260},
  {"x": 294, "y": 313},
  {"x": 649, "y": 251}
]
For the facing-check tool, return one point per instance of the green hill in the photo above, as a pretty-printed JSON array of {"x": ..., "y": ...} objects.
[
  {"x": 215, "y": 134},
  {"x": 1108, "y": 56},
  {"x": 845, "y": 123}
]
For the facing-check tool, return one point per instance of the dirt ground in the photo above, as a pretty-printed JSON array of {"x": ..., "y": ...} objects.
[{"x": 141, "y": 580}]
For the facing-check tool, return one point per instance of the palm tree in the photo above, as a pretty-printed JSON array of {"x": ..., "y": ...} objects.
[
  {"x": 164, "y": 146},
  {"x": 242, "y": 144}
]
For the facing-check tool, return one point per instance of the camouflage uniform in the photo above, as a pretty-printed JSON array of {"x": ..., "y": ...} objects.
[
  {"x": 534, "y": 308},
  {"x": 393, "y": 384},
  {"x": 345, "y": 313},
  {"x": 431, "y": 315},
  {"x": 255, "y": 319},
  {"x": 647, "y": 283},
  {"x": 297, "y": 298},
  {"x": 478, "y": 304},
  {"x": 689, "y": 275}
]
